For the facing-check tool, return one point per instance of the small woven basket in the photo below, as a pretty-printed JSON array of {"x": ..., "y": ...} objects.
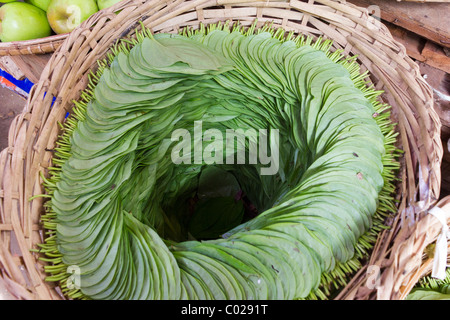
[
  {"x": 400, "y": 252},
  {"x": 35, "y": 46}
]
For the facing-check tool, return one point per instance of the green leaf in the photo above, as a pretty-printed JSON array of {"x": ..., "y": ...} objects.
[
  {"x": 427, "y": 294},
  {"x": 215, "y": 216},
  {"x": 216, "y": 182}
]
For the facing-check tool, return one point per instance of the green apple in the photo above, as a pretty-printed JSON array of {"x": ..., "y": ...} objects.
[
  {"x": 6, "y": 1},
  {"x": 102, "y": 4},
  {"x": 22, "y": 21},
  {"x": 43, "y": 4},
  {"x": 66, "y": 15}
]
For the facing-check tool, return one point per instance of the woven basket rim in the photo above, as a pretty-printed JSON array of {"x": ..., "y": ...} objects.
[
  {"x": 35, "y": 46},
  {"x": 34, "y": 131}
]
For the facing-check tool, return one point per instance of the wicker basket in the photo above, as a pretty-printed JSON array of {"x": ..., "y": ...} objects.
[
  {"x": 399, "y": 251},
  {"x": 36, "y": 46}
]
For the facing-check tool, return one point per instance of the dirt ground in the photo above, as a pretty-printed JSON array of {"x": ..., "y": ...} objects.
[{"x": 11, "y": 104}]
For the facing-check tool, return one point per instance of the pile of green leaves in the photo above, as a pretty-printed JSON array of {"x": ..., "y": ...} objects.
[{"x": 119, "y": 207}]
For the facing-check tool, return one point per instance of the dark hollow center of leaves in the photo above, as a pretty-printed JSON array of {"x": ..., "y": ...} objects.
[{"x": 215, "y": 203}]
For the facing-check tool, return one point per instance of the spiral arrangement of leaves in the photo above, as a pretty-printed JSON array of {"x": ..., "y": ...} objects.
[{"x": 117, "y": 204}]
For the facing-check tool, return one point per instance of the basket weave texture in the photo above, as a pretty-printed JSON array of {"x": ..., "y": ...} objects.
[
  {"x": 399, "y": 251},
  {"x": 35, "y": 46}
]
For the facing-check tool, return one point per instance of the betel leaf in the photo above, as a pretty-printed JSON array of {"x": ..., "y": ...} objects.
[
  {"x": 427, "y": 294},
  {"x": 215, "y": 216},
  {"x": 219, "y": 207},
  {"x": 217, "y": 182},
  {"x": 123, "y": 211}
]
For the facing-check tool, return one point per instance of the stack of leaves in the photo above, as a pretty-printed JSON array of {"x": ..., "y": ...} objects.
[{"x": 120, "y": 208}]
